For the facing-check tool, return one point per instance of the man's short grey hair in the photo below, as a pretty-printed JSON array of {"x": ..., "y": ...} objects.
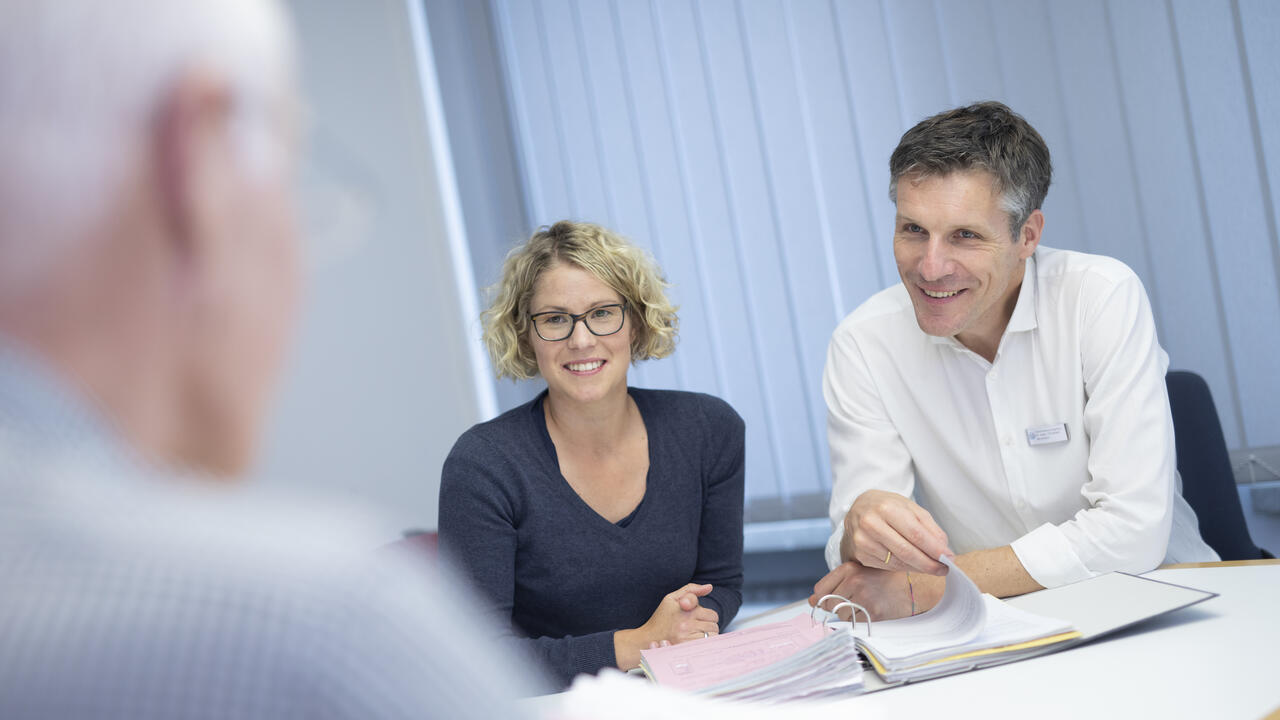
[
  {"x": 985, "y": 136},
  {"x": 80, "y": 82}
]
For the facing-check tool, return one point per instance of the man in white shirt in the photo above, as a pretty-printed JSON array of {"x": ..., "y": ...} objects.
[
  {"x": 1006, "y": 402},
  {"x": 148, "y": 264}
]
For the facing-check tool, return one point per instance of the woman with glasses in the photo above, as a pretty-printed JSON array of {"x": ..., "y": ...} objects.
[{"x": 598, "y": 519}]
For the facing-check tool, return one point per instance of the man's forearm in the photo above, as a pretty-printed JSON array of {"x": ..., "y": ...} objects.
[{"x": 996, "y": 571}]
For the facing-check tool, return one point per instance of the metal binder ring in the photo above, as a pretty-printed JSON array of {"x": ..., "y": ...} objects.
[
  {"x": 823, "y": 599},
  {"x": 854, "y": 608},
  {"x": 844, "y": 602}
]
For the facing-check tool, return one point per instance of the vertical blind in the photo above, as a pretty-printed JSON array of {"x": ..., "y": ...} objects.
[{"x": 745, "y": 144}]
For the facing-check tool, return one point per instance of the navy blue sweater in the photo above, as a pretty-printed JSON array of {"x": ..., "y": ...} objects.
[{"x": 565, "y": 576}]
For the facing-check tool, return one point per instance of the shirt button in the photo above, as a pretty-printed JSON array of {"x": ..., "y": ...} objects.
[
  {"x": 1006, "y": 440},
  {"x": 992, "y": 375}
]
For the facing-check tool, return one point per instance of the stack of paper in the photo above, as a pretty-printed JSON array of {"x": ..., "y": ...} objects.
[
  {"x": 796, "y": 658},
  {"x": 965, "y": 629},
  {"x": 827, "y": 668}
]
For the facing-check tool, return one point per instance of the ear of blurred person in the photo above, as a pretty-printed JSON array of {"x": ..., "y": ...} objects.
[
  {"x": 232, "y": 269},
  {"x": 149, "y": 277}
]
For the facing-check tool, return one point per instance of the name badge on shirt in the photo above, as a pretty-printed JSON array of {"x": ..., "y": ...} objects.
[{"x": 1047, "y": 434}]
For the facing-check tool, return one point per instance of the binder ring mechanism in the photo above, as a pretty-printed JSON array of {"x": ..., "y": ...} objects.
[{"x": 844, "y": 603}]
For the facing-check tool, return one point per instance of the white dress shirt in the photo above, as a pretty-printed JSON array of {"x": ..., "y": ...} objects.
[
  {"x": 925, "y": 416},
  {"x": 132, "y": 594}
]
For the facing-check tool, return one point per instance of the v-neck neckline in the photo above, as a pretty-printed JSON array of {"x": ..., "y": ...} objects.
[{"x": 636, "y": 513}]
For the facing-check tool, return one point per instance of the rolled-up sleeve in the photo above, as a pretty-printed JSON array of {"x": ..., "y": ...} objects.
[
  {"x": 1131, "y": 468},
  {"x": 866, "y": 450}
]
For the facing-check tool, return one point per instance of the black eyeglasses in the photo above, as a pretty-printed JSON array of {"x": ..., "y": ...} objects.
[{"x": 600, "y": 320}]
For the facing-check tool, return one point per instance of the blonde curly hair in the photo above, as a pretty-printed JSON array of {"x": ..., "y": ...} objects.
[{"x": 628, "y": 270}]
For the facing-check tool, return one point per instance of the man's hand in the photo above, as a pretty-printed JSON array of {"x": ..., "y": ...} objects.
[
  {"x": 886, "y": 531},
  {"x": 883, "y": 593}
]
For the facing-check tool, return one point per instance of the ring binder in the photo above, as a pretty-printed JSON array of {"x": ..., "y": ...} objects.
[{"x": 801, "y": 657}]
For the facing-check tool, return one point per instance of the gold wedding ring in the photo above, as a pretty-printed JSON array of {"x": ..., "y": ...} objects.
[{"x": 887, "y": 555}]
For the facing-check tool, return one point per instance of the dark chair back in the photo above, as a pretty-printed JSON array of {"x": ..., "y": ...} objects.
[{"x": 1208, "y": 483}]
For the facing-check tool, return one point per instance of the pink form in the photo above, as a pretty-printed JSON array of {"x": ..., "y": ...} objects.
[{"x": 700, "y": 663}]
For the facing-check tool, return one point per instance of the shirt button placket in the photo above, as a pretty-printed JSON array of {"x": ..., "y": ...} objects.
[{"x": 1005, "y": 440}]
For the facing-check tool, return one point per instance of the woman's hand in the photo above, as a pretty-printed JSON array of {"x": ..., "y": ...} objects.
[{"x": 678, "y": 618}]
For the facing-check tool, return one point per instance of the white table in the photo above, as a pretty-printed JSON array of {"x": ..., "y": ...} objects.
[{"x": 1217, "y": 659}]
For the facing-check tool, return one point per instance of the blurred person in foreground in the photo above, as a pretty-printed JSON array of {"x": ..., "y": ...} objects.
[
  {"x": 598, "y": 519},
  {"x": 1006, "y": 401},
  {"x": 147, "y": 284}
]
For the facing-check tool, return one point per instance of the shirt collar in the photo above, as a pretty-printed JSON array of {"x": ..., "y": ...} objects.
[
  {"x": 1024, "y": 312},
  {"x": 41, "y": 416}
]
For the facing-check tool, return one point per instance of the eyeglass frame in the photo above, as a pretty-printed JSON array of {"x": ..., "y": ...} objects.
[{"x": 580, "y": 318}]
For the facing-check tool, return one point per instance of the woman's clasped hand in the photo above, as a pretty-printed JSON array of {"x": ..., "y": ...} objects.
[{"x": 678, "y": 618}]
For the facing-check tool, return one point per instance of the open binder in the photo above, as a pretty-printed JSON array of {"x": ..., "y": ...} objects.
[
  {"x": 965, "y": 627},
  {"x": 812, "y": 654}
]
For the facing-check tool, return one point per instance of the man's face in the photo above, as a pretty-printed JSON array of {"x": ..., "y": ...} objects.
[{"x": 956, "y": 257}]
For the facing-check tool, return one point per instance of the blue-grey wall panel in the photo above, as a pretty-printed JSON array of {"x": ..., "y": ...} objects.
[
  {"x": 1192, "y": 331},
  {"x": 916, "y": 44},
  {"x": 1097, "y": 134},
  {"x": 541, "y": 149},
  {"x": 1259, "y": 24},
  {"x": 1236, "y": 208},
  {"x": 789, "y": 178},
  {"x": 872, "y": 88},
  {"x": 970, "y": 51},
  {"x": 611, "y": 92},
  {"x": 848, "y": 232},
  {"x": 573, "y": 110},
  {"x": 1031, "y": 79},
  {"x": 754, "y": 223}
]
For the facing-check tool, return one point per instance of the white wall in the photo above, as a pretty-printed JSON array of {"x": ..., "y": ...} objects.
[{"x": 383, "y": 377}]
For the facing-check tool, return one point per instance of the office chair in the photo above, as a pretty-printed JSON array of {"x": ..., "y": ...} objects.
[{"x": 1208, "y": 483}]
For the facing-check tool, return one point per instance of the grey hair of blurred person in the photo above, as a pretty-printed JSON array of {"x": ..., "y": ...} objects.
[{"x": 79, "y": 85}]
